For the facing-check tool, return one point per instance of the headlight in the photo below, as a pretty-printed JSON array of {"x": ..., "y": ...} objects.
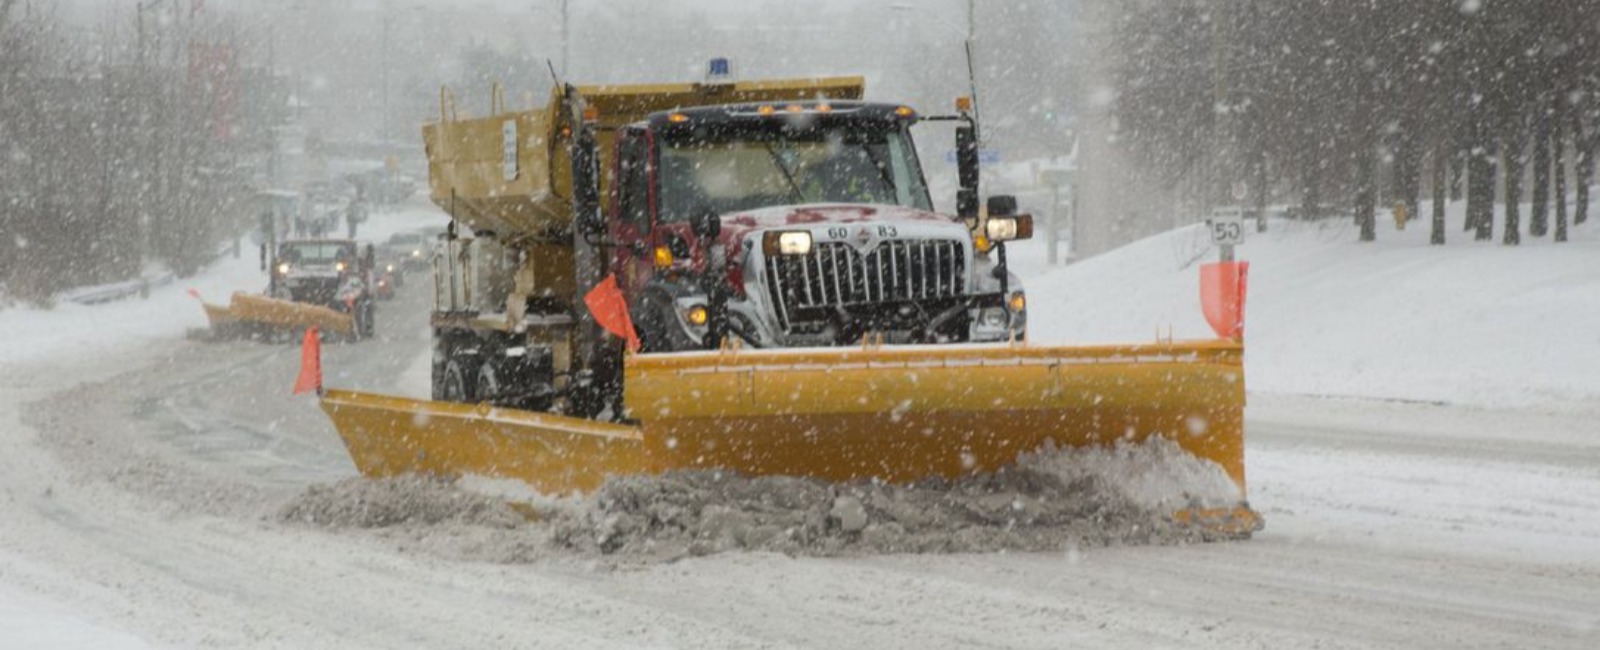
[
  {"x": 416, "y": 253},
  {"x": 794, "y": 242},
  {"x": 993, "y": 317},
  {"x": 697, "y": 315},
  {"x": 389, "y": 268},
  {"x": 339, "y": 267},
  {"x": 283, "y": 269},
  {"x": 1009, "y": 228}
]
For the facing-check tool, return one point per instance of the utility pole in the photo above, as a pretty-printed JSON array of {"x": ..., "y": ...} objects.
[
  {"x": 972, "y": 73},
  {"x": 1220, "y": 172},
  {"x": 383, "y": 72}
]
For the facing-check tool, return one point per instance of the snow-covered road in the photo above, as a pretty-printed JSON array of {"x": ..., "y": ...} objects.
[{"x": 140, "y": 488}]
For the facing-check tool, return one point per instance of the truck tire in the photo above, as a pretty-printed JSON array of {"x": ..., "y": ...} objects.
[
  {"x": 659, "y": 328},
  {"x": 365, "y": 319},
  {"x": 457, "y": 383},
  {"x": 489, "y": 384}
]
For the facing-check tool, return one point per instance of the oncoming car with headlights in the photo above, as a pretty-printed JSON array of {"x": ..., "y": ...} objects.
[{"x": 408, "y": 251}]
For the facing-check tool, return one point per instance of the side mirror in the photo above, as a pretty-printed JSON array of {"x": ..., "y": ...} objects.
[
  {"x": 967, "y": 173},
  {"x": 707, "y": 224},
  {"x": 1002, "y": 205},
  {"x": 586, "y": 183}
]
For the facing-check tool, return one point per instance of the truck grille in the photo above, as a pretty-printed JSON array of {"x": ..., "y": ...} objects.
[{"x": 836, "y": 275}]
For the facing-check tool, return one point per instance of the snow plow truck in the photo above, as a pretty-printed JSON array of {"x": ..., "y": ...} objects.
[
  {"x": 750, "y": 276},
  {"x": 321, "y": 283}
]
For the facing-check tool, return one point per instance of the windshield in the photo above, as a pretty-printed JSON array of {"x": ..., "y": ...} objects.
[
  {"x": 743, "y": 170},
  {"x": 313, "y": 253}
]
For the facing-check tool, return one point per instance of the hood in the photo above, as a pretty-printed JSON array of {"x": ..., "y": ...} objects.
[{"x": 738, "y": 225}]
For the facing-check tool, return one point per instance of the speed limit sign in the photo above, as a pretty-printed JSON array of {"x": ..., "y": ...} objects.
[{"x": 1226, "y": 229}]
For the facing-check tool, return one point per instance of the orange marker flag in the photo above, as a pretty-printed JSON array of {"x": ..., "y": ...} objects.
[
  {"x": 310, "y": 364},
  {"x": 1222, "y": 291},
  {"x": 610, "y": 310}
]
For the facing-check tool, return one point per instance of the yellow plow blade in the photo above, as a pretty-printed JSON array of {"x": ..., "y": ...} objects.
[
  {"x": 261, "y": 311},
  {"x": 392, "y": 436},
  {"x": 901, "y": 414},
  {"x": 896, "y": 414},
  {"x": 219, "y": 316}
]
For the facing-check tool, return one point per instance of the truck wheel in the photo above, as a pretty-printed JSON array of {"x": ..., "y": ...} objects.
[
  {"x": 456, "y": 385},
  {"x": 365, "y": 324},
  {"x": 488, "y": 386},
  {"x": 659, "y": 327}
]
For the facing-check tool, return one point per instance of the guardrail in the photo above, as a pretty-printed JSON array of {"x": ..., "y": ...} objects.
[{"x": 115, "y": 291}]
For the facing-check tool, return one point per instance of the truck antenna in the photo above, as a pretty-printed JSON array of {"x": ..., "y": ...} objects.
[
  {"x": 554, "y": 78},
  {"x": 972, "y": 83}
]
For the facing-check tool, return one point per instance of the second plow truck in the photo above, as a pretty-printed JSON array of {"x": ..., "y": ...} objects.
[
  {"x": 321, "y": 283},
  {"x": 785, "y": 301}
]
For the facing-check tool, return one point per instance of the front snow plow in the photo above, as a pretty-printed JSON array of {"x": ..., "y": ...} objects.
[
  {"x": 893, "y": 414},
  {"x": 249, "y": 314}
]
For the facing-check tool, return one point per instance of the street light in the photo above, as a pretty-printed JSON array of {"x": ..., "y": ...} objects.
[{"x": 967, "y": 36}]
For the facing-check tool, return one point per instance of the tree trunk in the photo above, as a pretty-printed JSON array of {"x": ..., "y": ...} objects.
[
  {"x": 1441, "y": 164},
  {"x": 1480, "y": 192},
  {"x": 1260, "y": 181},
  {"x": 1410, "y": 190},
  {"x": 1311, "y": 191},
  {"x": 1539, "y": 221},
  {"x": 1366, "y": 194},
  {"x": 1585, "y": 176},
  {"x": 1558, "y": 155},
  {"x": 1513, "y": 155},
  {"x": 1457, "y": 168}
]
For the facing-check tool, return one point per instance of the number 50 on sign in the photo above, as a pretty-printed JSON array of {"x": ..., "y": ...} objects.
[{"x": 1226, "y": 230}]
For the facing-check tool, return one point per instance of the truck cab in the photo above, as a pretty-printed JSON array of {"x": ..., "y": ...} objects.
[{"x": 792, "y": 224}]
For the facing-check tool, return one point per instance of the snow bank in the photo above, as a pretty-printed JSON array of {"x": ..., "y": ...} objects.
[
  {"x": 1054, "y": 500},
  {"x": 1471, "y": 323},
  {"x": 360, "y": 503}
]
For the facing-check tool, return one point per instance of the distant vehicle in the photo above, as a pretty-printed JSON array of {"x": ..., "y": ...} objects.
[
  {"x": 391, "y": 267},
  {"x": 332, "y": 273},
  {"x": 410, "y": 249},
  {"x": 384, "y": 283}
]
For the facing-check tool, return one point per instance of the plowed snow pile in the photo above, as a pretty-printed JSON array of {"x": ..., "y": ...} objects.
[{"x": 1050, "y": 501}]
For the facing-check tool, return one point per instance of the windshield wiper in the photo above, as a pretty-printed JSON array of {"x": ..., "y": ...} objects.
[
  {"x": 798, "y": 195},
  {"x": 883, "y": 170}
]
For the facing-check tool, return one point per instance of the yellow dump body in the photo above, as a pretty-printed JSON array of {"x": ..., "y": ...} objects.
[
  {"x": 510, "y": 173},
  {"x": 896, "y": 414}
]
